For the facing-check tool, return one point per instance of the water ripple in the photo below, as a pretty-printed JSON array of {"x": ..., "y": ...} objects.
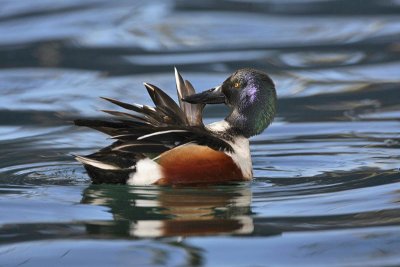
[{"x": 327, "y": 179}]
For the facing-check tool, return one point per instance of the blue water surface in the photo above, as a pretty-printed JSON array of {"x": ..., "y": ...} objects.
[{"x": 326, "y": 190}]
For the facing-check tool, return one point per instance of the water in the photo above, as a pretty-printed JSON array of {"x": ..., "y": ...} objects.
[{"x": 327, "y": 182}]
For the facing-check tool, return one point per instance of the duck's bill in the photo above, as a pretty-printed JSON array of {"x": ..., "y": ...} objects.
[{"x": 211, "y": 96}]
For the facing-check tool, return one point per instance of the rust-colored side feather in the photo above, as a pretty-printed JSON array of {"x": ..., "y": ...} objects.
[{"x": 195, "y": 164}]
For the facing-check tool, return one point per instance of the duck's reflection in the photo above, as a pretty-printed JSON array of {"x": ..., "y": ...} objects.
[{"x": 161, "y": 212}]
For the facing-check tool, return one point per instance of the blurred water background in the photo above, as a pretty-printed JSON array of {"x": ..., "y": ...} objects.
[{"x": 327, "y": 182}]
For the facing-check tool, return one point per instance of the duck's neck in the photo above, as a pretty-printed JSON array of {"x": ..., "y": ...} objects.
[{"x": 253, "y": 119}]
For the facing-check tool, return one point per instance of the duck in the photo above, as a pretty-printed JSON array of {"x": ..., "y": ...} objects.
[{"x": 169, "y": 144}]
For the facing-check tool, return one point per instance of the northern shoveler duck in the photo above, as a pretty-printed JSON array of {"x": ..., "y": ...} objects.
[{"x": 169, "y": 144}]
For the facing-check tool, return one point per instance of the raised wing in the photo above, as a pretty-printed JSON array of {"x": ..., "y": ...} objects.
[
  {"x": 164, "y": 126},
  {"x": 193, "y": 112},
  {"x": 143, "y": 131}
]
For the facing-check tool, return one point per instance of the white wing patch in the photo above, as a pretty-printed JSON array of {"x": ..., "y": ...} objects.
[{"x": 147, "y": 172}]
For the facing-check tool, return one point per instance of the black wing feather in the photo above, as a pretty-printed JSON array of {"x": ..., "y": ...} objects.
[
  {"x": 166, "y": 104},
  {"x": 147, "y": 131}
]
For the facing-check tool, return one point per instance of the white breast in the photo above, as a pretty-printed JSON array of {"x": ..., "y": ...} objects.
[
  {"x": 241, "y": 156},
  {"x": 241, "y": 149}
]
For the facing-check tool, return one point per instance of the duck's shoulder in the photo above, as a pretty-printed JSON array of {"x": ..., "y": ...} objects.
[
  {"x": 218, "y": 127},
  {"x": 240, "y": 146}
]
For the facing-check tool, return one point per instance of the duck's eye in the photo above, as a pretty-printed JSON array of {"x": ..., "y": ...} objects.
[{"x": 236, "y": 85}]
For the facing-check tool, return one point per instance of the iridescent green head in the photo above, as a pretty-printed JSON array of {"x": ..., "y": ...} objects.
[{"x": 251, "y": 96}]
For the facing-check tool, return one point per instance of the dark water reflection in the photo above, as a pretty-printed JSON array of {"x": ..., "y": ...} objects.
[{"x": 327, "y": 182}]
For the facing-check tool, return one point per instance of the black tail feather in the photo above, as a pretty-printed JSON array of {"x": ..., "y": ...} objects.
[
  {"x": 126, "y": 115},
  {"x": 141, "y": 147},
  {"x": 167, "y": 125},
  {"x": 100, "y": 176}
]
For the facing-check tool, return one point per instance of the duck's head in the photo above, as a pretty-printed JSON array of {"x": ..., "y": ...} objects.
[{"x": 251, "y": 96}]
